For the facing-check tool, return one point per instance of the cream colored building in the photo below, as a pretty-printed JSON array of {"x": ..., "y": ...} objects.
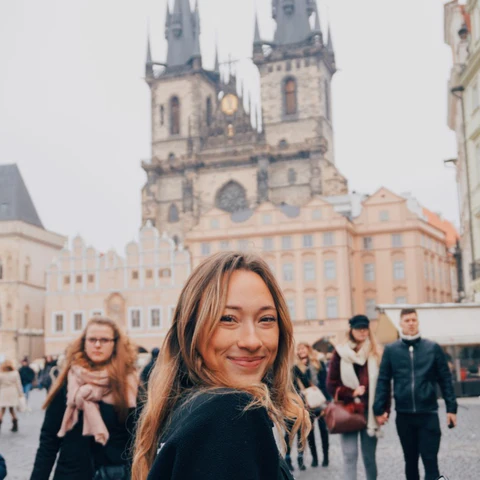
[
  {"x": 338, "y": 256},
  {"x": 139, "y": 291},
  {"x": 26, "y": 249},
  {"x": 462, "y": 34}
]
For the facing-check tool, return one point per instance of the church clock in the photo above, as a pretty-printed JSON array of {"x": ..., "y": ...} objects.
[{"x": 229, "y": 104}]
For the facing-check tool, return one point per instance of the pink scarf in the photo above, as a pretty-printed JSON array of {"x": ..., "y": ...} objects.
[{"x": 84, "y": 390}]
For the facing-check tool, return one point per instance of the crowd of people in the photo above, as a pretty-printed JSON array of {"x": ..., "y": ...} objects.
[{"x": 205, "y": 405}]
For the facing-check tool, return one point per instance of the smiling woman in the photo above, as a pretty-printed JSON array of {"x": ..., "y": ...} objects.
[{"x": 222, "y": 379}]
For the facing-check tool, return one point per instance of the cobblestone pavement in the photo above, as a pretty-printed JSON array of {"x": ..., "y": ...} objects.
[{"x": 459, "y": 454}]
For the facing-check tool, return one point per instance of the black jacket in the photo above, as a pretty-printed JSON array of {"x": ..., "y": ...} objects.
[
  {"x": 415, "y": 367},
  {"x": 27, "y": 375},
  {"x": 306, "y": 378},
  {"x": 3, "y": 468},
  {"x": 211, "y": 437},
  {"x": 80, "y": 456}
]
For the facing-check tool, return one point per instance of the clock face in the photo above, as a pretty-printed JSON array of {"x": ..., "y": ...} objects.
[{"x": 229, "y": 104}]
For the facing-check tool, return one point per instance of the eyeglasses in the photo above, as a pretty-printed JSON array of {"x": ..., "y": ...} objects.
[{"x": 101, "y": 341}]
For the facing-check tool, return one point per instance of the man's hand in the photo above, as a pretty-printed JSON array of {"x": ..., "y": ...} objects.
[
  {"x": 452, "y": 419},
  {"x": 382, "y": 419},
  {"x": 358, "y": 392}
]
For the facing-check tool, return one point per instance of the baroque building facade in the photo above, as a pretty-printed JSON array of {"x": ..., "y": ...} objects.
[{"x": 206, "y": 152}]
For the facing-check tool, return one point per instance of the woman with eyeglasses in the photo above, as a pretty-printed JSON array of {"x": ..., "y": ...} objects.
[{"x": 89, "y": 418}]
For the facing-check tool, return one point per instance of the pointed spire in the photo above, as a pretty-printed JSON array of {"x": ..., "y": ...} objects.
[
  {"x": 257, "y": 39},
  {"x": 292, "y": 18},
  {"x": 148, "y": 62},
  {"x": 216, "y": 67},
  {"x": 330, "y": 41}
]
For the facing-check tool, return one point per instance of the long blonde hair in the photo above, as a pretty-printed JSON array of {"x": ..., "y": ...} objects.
[
  {"x": 121, "y": 364},
  {"x": 180, "y": 366},
  {"x": 312, "y": 357}
]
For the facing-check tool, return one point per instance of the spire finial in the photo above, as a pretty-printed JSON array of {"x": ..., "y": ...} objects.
[
  {"x": 257, "y": 39},
  {"x": 216, "y": 67},
  {"x": 148, "y": 62}
]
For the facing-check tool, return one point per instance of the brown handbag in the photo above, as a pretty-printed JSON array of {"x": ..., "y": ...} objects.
[{"x": 341, "y": 420}]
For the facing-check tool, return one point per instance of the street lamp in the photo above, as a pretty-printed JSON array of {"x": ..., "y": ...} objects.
[{"x": 458, "y": 92}]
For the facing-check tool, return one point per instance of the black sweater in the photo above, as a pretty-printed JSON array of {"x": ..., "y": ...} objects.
[
  {"x": 80, "y": 456},
  {"x": 211, "y": 437}
]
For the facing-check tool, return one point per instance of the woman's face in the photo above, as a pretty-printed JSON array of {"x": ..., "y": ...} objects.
[
  {"x": 302, "y": 352},
  {"x": 244, "y": 344},
  {"x": 360, "y": 334},
  {"x": 99, "y": 343}
]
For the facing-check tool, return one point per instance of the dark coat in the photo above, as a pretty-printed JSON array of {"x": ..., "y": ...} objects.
[
  {"x": 27, "y": 375},
  {"x": 211, "y": 437},
  {"x": 3, "y": 468},
  {"x": 80, "y": 456},
  {"x": 415, "y": 367},
  {"x": 306, "y": 379}
]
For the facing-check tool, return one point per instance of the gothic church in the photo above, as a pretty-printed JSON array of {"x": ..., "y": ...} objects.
[{"x": 205, "y": 151}]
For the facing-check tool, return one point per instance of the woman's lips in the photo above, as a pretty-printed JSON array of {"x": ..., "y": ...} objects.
[{"x": 247, "y": 362}]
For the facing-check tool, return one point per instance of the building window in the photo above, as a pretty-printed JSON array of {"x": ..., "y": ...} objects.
[
  {"x": 330, "y": 270},
  {"x": 397, "y": 240},
  {"x": 171, "y": 312},
  {"x": 149, "y": 273},
  {"x": 332, "y": 307},
  {"x": 174, "y": 116},
  {"x": 224, "y": 245},
  {"x": 155, "y": 317},
  {"x": 367, "y": 243},
  {"x": 308, "y": 241},
  {"x": 165, "y": 273},
  {"x": 370, "y": 308},
  {"x": 162, "y": 115},
  {"x": 232, "y": 197},
  {"x": 135, "y": 275},
  {"x": 243, "y": 245},
  {"x": 399, "y": 270},
  {"x": 328, "y": 239},
  {"x": 384, "y": 216},
  {"x": 173, "y": 214},
  {"x": 291, "y": 308},
  {"x": 287, "y": 272},
  {"x": 268, "y": 244},
  {"x": 291, "y": 176},
  {"x": 135, "y": 318},
  {"x": 309, "y": 271},
  {"x": 369, "y": 272},
  {"x": 209, "y": 111},
  {"x": 317, "y": 214},
  {"x": 286, "y": 243},
  {"x": 400, "y": 300},
  {"x": 205, "y": 249},
  {"x": 91, "y": 278},
  {"x": 214, "y": 224},
  {"x": 266, "y": 219},
  {"x": 310, "y": 308},
  {"x": 26, "y": 271},
  {"x": 77, "y": 321},
  {"x": 58, "y": 322},
  {"x": 290, "y": 96},
  {"x": 26, "y": 316},
  {"x": 78, "y": 278},
  {"x": 426, "y": 271},
  {"x": 66, "y": 280},
  {"x": 96, "y": 313}
]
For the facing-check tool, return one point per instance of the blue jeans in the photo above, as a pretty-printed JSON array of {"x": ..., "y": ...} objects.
[
  {"x": 26, "y": 389},
  {"x": 349, "y": 443}
]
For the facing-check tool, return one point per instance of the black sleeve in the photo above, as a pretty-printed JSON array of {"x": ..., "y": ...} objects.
[
  {"x": 444, "y": 379},
  {"x": 3, "y": 468},
  {"x": 383, "y": 391},
  {"x": 322, "y": 380},
  {"x": 222, "y": 442},
  {"x": 49, "y": 443}
]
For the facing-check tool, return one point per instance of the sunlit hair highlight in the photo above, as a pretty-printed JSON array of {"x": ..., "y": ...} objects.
[
  {"x": 7, "y": 366},
  {"x": 180, "y": 368},
  {"x": 312, "y": 357},
  {"x": 120, "y": 365}
]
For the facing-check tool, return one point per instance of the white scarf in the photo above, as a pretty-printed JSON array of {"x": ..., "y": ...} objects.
[
  {"x": 348, "y": 356},
  {"x": 410, "y": 338}
]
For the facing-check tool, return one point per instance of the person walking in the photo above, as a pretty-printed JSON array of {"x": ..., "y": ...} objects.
[
  {"x": 352, "y": 379},
  {"x": 27, "y": 376},
  {"x": 89, "y": 417},
  {"x": 416, "y": 366},
  {"x": 10, "y": 392},
  {"x": 44, "y": 378},
  {"x": 223, "y": 379},
  {"x": 144, "y": 377}
]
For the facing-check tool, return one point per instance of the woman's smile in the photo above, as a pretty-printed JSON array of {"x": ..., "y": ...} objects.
[{"x": 247, "y": 362}]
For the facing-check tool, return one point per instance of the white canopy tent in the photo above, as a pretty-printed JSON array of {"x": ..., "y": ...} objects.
[{"x": 447, "y": 324}]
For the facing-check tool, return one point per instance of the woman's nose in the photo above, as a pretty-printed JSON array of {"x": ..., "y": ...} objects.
[{"x": 249, "y": 338}]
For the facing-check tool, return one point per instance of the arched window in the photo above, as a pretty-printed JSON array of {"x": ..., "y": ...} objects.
[
  {"x": 26, "y": 270},
  {"x": 231, "y": 197},
  {"x": 26, "y": 316},
  {"x": 174, "y": 116},
  {"x": 209, "y": 111},
  {"x": 173, "y": 215},
  {"x": 162, "y": 115},
  {"x": 290, "y": 96}
]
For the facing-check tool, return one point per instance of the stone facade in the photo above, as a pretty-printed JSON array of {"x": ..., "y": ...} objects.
[
  {"x": 139, "y": 291},
  {"x": 205, "y": 151},
  {"x": 338, "y": 256}
]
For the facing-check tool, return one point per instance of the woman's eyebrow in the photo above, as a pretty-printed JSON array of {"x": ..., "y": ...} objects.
[{"x": 261, "y": 309}]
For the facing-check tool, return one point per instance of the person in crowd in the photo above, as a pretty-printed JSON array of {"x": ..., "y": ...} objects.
[
  {"x": 146, "y": 372},
  {"x": 27, "y": 376},
  {"x": 308, "y": 371},
  {"x": 223, "y": 379},
  {"x": 416, "y": 366},
  {"x": 44, "y": 378},
  {"x": 89, "y": 418},
  {"x": 3, "y": 468},
  {"x": 352, "y": 379},
  {"x": 10, "y": 392}
]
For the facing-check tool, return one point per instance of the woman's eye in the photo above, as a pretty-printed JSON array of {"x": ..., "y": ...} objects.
[
  {"x": 268, "y": 319},
  {"x": 227, "y": 319}
]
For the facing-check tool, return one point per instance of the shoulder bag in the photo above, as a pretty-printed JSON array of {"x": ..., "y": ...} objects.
[
  {"x": 314, "y": 398},
  {"x": 341, "y": 420}
]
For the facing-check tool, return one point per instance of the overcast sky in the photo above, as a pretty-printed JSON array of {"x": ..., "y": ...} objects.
[{"x": 75, "y": 111}]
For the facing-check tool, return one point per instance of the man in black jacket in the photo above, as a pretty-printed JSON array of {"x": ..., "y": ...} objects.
[
  {"x": 27, "y": 376},
  {"x": 416, "y": 366}
]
